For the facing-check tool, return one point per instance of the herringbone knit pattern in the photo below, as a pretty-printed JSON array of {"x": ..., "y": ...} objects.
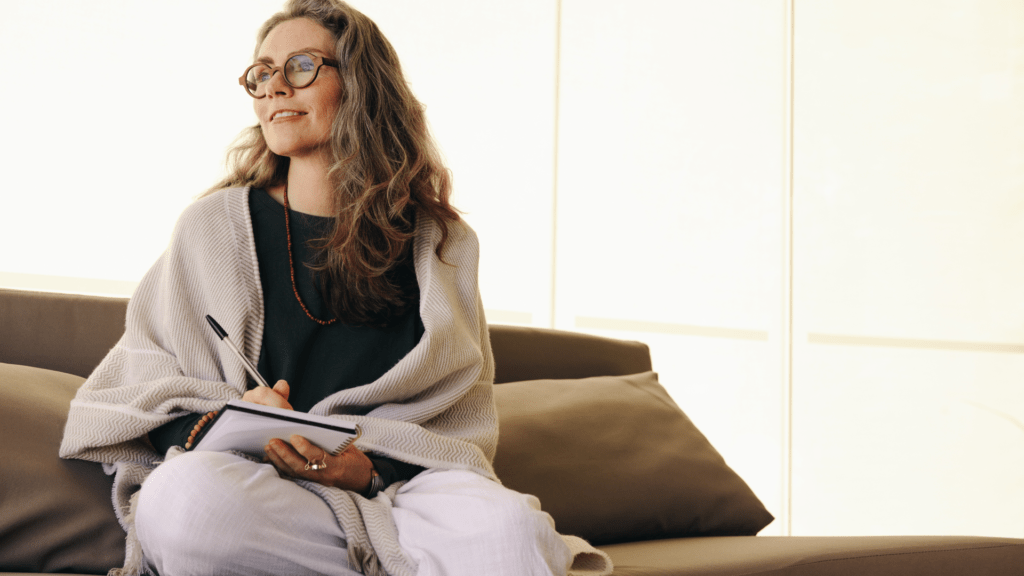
[{"x": 434, "y": 408}]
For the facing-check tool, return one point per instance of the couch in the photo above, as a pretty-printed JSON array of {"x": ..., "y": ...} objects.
[{"x": 585, "y": 426}]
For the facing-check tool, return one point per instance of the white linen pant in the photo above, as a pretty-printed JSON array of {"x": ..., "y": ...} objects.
[{"x": 217, "y": 513}]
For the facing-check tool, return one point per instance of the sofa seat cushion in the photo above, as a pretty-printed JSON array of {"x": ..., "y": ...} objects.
[
  {"x": 820, "y": 556},
  {"x": 614, "y": 459},
  {"x": 55, "y": 515}
]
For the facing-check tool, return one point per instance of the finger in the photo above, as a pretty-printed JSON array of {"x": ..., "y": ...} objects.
[
  {"x": 307, "y": 449},
  {"x": 276, "y": 461},
  {"x": 273, "y": 399},
  {"x": 289, "y": 463},
  {"x": 267, "y": 397},
  {"x": 282, "y": 388},
  {"x": 292, "y": 460}
]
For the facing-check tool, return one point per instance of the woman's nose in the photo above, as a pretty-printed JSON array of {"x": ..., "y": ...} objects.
[{"x": 276, "y": 86}]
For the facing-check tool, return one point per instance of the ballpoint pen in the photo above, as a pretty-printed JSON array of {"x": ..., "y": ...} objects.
[{"x": 245, "y": 361}]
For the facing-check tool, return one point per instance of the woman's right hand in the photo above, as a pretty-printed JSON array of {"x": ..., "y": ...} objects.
[{"x": 276, "y": 397}]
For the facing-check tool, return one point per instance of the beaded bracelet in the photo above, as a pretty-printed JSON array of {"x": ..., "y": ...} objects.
[{"x": 199, "y": 426}]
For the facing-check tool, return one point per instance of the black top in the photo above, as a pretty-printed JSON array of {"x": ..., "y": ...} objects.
[{"x": 315, "y": 360}]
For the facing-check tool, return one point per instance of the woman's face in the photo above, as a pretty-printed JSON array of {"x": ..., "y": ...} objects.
[{"x": 297, "y": 122}]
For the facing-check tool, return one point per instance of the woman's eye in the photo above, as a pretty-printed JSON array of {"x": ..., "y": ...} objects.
[{"x": 259, "y": 74}]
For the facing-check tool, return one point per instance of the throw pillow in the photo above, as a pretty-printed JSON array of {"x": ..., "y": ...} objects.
[
  {"x": 55, "y": 515},
  {"x": 614, "y": 459}
]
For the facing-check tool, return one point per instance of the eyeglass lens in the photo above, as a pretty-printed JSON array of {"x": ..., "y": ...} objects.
[{"x": 299, "y": 71}]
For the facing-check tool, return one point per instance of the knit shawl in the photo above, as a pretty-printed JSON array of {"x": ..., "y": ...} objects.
[{"x": 434, "y": 408}]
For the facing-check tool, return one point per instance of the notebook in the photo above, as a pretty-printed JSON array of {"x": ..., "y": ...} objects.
[{"x": 247, "y": 427}]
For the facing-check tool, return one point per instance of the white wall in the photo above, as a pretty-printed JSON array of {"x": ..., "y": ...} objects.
[
  {"x": 908, "y": 411},
  {"x": 117, "y": 115},
  {"x": 671, "y": 194},
  {"x": 812, "y": 211}
]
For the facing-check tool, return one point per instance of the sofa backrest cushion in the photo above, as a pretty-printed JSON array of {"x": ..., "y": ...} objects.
[
  {"x": 55, "y": 515},
  {"x": 614, "y": 459},
  {"x": 72, "y": 333},
  {"x": 64, "y": 332},
  {"x": 522, "y": 353}
]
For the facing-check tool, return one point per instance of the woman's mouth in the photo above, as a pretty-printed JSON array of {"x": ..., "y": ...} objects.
[{"x": 285, "y": 114}]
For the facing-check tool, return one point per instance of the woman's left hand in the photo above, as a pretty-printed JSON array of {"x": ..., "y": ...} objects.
[{"x": 350, "y": 470}]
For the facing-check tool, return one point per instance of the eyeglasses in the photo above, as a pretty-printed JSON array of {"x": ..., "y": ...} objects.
[{"x": 299, "y": 71}]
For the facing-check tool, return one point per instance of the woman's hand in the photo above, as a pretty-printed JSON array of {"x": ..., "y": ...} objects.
[
  {"x": 350, "y": 470},
  {"x": 276, "y": 397}
]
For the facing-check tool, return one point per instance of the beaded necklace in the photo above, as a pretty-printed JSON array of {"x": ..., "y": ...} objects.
[{"x": 291, "y": 266}]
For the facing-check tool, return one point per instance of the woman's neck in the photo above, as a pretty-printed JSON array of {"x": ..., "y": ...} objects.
[{"x": 309, "y": 188}]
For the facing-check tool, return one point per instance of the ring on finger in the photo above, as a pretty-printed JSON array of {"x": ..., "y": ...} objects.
[{"x": 316, "y": 466}]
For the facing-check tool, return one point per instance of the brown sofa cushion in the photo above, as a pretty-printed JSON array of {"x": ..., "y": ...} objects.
[
  {"x": 65, "y": 332},
  {"x": 55, "y": 515},
  {"x": 529, "y": 353},
  {"x": 613, "y": 459}
]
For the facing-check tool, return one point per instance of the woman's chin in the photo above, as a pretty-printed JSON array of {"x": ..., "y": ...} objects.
[{"x": 295, "y": 150}]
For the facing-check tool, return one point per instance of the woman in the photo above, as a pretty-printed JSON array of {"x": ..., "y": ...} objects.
[{"x": 332, "y": 255}]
